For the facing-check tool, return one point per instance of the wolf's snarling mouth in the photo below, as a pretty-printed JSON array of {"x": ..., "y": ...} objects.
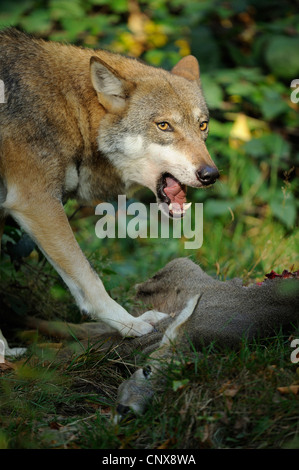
[{"x": 173, "y": 193}]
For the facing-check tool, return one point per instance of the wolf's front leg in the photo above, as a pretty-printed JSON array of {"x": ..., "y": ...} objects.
[{"x": 44, "y": 219}]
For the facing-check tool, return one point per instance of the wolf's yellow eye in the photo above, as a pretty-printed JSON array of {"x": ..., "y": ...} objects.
[
  {"x": 164, "y": 126},
  {"x": 203, "y": 126}
]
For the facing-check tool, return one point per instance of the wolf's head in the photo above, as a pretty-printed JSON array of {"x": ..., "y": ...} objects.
[{"x": 155, "y": 126}]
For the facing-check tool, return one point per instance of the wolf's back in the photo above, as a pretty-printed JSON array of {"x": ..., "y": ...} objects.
[{"x": 45, "y": 83}]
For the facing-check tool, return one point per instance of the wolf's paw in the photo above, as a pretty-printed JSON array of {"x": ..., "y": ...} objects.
[
  {"x": 127, "y": 325},
  {"x": 153, "y": 316},
  {"x": 136, "y": 328}
]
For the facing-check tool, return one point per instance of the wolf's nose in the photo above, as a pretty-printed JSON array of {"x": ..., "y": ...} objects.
[{"x": 207, "y": 175}]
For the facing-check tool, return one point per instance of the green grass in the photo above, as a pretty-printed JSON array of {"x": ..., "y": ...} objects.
[
  {"x": 49, "y": 404},
  {"x": 211, "y": 400}
]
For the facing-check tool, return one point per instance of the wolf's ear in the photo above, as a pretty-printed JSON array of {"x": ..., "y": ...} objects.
[
  {"x": 187, "y": 67},
  {"x": 112, "y": 90}
]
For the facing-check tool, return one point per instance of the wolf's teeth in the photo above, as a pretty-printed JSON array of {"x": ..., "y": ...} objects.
[
  {"x": 186, "y": 206},
  {"x": 170, "y": 206}
]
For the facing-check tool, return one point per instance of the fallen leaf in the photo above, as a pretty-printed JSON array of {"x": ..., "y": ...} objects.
[
  {"x": 231, "y": 392},
  {"x": 49, "y": 345},
  {"x": 229, "y": 389},
  {"x": 287, "y": 390},
  {"x": 6, "y": 365},
  {"x": 55, "y": 425},
  {"x": 105, "y": 410}
]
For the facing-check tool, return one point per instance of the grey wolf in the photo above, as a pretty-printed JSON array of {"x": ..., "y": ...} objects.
[{"x": 91, "y": 124}]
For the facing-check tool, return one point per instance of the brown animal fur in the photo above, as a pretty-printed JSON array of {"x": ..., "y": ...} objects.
[
  {"x": 82, "y": 123},
  {"x": 224, "y": 313}
]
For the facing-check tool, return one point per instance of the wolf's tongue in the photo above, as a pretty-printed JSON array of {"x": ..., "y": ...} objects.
[{"x": 174, "y": 191}]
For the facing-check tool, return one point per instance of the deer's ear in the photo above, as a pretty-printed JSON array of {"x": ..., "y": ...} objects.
[
  {"x": 187, "y": 67},
  {"x": 112, "y": 90}
]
